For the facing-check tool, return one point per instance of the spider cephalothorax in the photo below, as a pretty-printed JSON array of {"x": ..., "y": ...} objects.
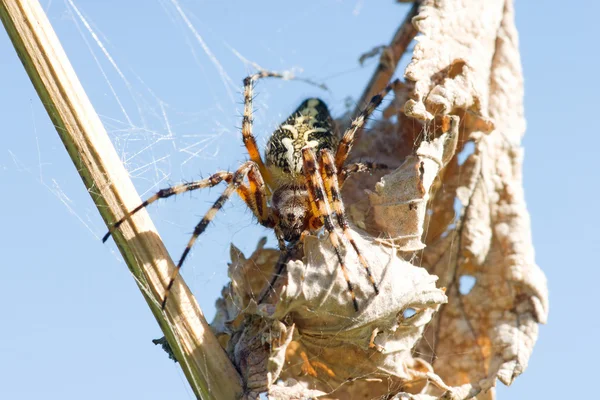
[
  {"x": 291, "y": 206},
  {"x": 297, "y": 190}
]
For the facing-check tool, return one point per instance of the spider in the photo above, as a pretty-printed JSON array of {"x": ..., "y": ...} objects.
[{"x": 296, "y": 191}]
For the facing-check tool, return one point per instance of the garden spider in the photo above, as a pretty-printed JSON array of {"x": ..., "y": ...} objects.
[{"x": 297, "y": 190}]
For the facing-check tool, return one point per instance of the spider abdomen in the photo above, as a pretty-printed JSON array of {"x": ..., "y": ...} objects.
[{"x": 310, "y": 125}]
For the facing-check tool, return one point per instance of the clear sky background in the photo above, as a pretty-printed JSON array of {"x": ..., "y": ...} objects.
[{"x": 73, "y": 324}]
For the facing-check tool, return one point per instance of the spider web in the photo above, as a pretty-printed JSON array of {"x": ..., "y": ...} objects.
[
  {"x": 179, "y": 121},
  {"x": 165, "y": 78}
]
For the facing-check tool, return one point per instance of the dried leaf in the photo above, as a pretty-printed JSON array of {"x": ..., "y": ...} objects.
[
  {"x": 489, "y": 331},
  {"x": 328, "y": 333},
  {"x": 451, "y": 62},
  {"x": 292, "y": 389},
  {"x": 312, "y": 300},
  {"x": 456, "y": 217},
  {"x": 399, "y": 203}
]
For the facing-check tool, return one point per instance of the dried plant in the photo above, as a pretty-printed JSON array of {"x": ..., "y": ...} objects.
[{"x": 441, "y": 216}]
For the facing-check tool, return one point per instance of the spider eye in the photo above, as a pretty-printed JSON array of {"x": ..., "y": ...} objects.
[{"x": 290, "y": 217}]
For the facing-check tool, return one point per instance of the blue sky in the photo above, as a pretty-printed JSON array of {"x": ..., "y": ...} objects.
[{"x": 74, "y": 324}]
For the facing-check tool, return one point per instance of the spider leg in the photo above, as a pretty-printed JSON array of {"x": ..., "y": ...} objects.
[
  {"x": 347, "y": 141},
  {"x": 258, "y": 205},
  {"x": 358, "y": 167},
  {"x": 332, "y": 188},
  {"x": 255, "y": 197},
  {"x": 247, "y": 136},
  {"x": 171, "y": 191},
  {"x": 317, "y": 197},
  {"x": 290, "y": 252}
]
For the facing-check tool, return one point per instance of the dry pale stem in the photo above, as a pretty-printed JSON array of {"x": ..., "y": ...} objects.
[
  {"x": 210, "y": 373},
  {"x": 389, "y": 58}
]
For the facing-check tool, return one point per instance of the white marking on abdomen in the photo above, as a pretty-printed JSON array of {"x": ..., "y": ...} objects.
[{"x": 292, "y": 129}]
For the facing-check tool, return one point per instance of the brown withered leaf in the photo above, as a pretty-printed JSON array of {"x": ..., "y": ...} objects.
[
  {"x": 397, "y": 206},
  {"x": 437, "y": 214},
  {"x": 486, "y": 331},
  {"x": 311, "y": 301},
  {"x": 451, "y": 62}
]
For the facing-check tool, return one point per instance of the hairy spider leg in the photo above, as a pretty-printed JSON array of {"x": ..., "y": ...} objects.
[
  {"x": 317, "y": 197},
  {"x": 347, "y": 141},
  {"x": 358, "y": 167},
  {"x": 332, "y": 188},
  {"x": 211, "y": 181},
  {"x": 284, "y": 258},
  {"x": 247, "y": 120},
  {"x": 258, "y": 205},
  {"x": 254, "y": 196}
]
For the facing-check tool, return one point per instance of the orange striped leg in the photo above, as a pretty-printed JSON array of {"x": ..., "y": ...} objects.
[
  {"x": 348, "y": 139},
  {"x": 171, "y": 191},
  {"x": 247, "y": 136},
  {"x": 318, "y": 197},
  {"x": 358, "y": 167},
  {"x": 330, "y": 180},
  {"x": 235, "y": 183},
  {"x": 256, "y": 194}
]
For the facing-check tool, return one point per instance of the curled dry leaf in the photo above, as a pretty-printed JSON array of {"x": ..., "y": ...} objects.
[
  {"x": 483, "y": 255},
  {"x": 308, "y": 315},
  {"x": 313, "y": 327},
  {"x": 398, "y": 206},
  {"x": 292, "y": 389},
  {"x": 332, "y": 337},
  {"x": 461, "y": 218},
  {"x": 451, "y": 62}
]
